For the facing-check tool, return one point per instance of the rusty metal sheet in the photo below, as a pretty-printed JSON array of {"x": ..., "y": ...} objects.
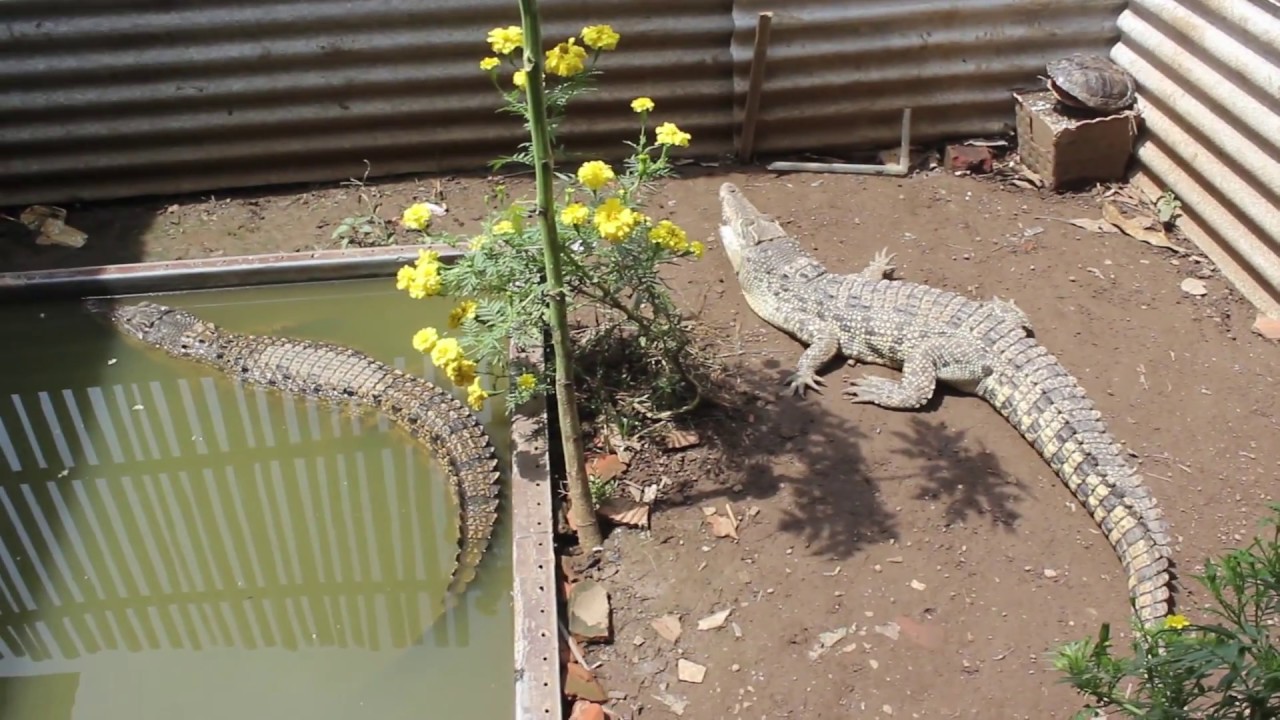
[
  {"x": 1208, "y": 75},
  {"x": 120, "y": 98}
]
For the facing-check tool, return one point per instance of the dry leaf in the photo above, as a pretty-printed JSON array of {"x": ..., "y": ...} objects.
[
  {"x": 680, "y": 439},
  {"x": 614, "y": 440},
  {"x": 674, "y": 704},
  {"x": 1267, "y": 326},
  {"x": 714, "y": 621},
  {"x": 1033, "y": 177},
  {"x": 50, "y": 225},
  {"x": 606, "y": 467},
  {"x": 690, "y": 672},
  {"x": 1135, "y": 228},
  {"x": 826, "y": 640},
  {"x": 722, "y": 526},
  {"x": 667, "y": 626},
  {"x": 1093, "y": 225},
  {"x": 1194, "y": 286},
  {"x": 889, "y": 630},
  {"x": 622, "y": 511}
]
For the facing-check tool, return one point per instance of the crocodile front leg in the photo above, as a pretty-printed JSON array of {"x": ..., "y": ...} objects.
[
  {"x": 957, "y": 360},
  {"x": 824, "y": 347}
]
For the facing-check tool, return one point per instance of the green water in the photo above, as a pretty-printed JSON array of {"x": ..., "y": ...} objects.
[{"x": 175, "y": 545}]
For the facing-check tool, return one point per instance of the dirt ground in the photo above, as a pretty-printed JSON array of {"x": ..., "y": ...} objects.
[{"x": 937, "y": 541}]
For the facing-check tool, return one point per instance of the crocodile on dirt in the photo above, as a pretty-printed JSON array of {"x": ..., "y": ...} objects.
[
  {"x": 979, "y": 347},
  {"x": 344, "y": 376}
]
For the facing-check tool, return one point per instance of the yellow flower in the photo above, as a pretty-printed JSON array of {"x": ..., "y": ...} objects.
[
  {"x": 595, "y": 174},
  {"x": 478, "y": 241},
  {"x": 527, "y": 381},
  {"x": 566, "y": 59},
  {"x": 615, "y": 221},
  {"x": 423, "y": 277},
  {"x": 425, "y": 339},
  {"x": 519, "y": 78},
  {"x": 489, "y": 63},
  {"x": 669, "y": 134},
  {"x": 1176, "y": 622},
  {"x": 461, "y": 372},
  {"x": 427, "y": 258},
  {"x": 404, "y": 277},
  {"x": 464, "y": 310},
  {"x": 416, "y": 216},
  {"x": 505, "y": 40},
  {"x": 504, "y": 227},
  {"x": 574, "y": 214},
  {"x": 670, "y": 236},
  {"x": 446, "y": 352},
  {"x": 600, "y": 37},
  {"x": 476, "y": 395},
  {"x": 697, "y": 248},
  {"x": 642, "y": 105}
]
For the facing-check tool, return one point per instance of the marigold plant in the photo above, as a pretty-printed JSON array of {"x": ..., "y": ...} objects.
[
  {"x": 612, "y": 250},
  {"x": 1225, "y": 668}
]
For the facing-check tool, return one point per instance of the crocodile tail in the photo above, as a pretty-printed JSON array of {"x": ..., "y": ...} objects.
[
  {"x": 470, "y": 463},
  {"x": 1048, "y": 407}
]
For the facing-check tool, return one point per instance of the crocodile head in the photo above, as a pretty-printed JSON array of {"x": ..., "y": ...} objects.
[
  {"x": 175, "y": 331},
  {"x": 746, "y": 233}
]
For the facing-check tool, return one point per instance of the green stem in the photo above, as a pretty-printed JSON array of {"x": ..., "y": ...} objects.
[{"x": 582, "y": 512}]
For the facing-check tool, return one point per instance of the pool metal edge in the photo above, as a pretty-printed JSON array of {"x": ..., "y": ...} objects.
[
  {"x": 209, "y": 273},
  {"x": 537, "y": 650}
]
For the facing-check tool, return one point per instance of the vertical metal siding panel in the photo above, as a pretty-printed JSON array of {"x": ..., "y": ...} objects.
[
  {"x": 840, "y": 71},
  {"x": 1208, "y": 73},
  {"x": 118, "y": 98}
]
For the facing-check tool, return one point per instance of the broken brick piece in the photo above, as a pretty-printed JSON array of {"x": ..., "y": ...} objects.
[{"x": 970, "y": 158}]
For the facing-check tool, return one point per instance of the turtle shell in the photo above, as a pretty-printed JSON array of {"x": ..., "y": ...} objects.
[{"x": 1092, "y": 82}]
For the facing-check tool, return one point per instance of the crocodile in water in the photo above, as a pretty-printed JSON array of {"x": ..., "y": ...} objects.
[
  {"x": 979, "y": 347},
  {"x": 337, "y": 374}
]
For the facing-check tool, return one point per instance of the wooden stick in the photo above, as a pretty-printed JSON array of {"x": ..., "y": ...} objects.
[{"x": 747, "y": 141}]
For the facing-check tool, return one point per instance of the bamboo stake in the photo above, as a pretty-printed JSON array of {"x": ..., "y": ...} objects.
[{"x": 582, "y": 510}]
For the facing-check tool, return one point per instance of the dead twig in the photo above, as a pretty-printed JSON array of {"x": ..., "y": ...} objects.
[{"x": 574, "y": 649}]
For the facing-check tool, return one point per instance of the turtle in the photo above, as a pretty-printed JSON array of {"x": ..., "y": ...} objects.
[{"x": 1091, "y": 82}]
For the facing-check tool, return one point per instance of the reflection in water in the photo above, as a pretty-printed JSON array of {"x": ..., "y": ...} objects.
[{"x": 175, "y": 544}]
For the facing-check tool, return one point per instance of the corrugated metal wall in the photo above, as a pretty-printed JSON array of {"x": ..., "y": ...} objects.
[
  {"x": 114, "y": 98},
  {"x": 1209, "y": 78},
  {"x": 840, "y": 71}
]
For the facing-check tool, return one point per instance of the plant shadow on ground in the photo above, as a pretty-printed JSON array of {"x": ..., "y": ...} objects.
[{"x": 832, "y": 477}]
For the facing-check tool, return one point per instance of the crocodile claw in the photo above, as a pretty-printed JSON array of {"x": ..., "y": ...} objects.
[
  {"x": 799, "y": 381},
  {"x": 872, "y": 389}
]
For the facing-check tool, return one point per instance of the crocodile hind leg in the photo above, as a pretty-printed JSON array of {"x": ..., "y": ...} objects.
[
  {"x": 881, "y": 266},
  {"x": 956, "y": 360}
]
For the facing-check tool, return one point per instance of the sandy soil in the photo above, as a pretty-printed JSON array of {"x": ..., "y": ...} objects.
[{"x": 943, "y": 523}]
